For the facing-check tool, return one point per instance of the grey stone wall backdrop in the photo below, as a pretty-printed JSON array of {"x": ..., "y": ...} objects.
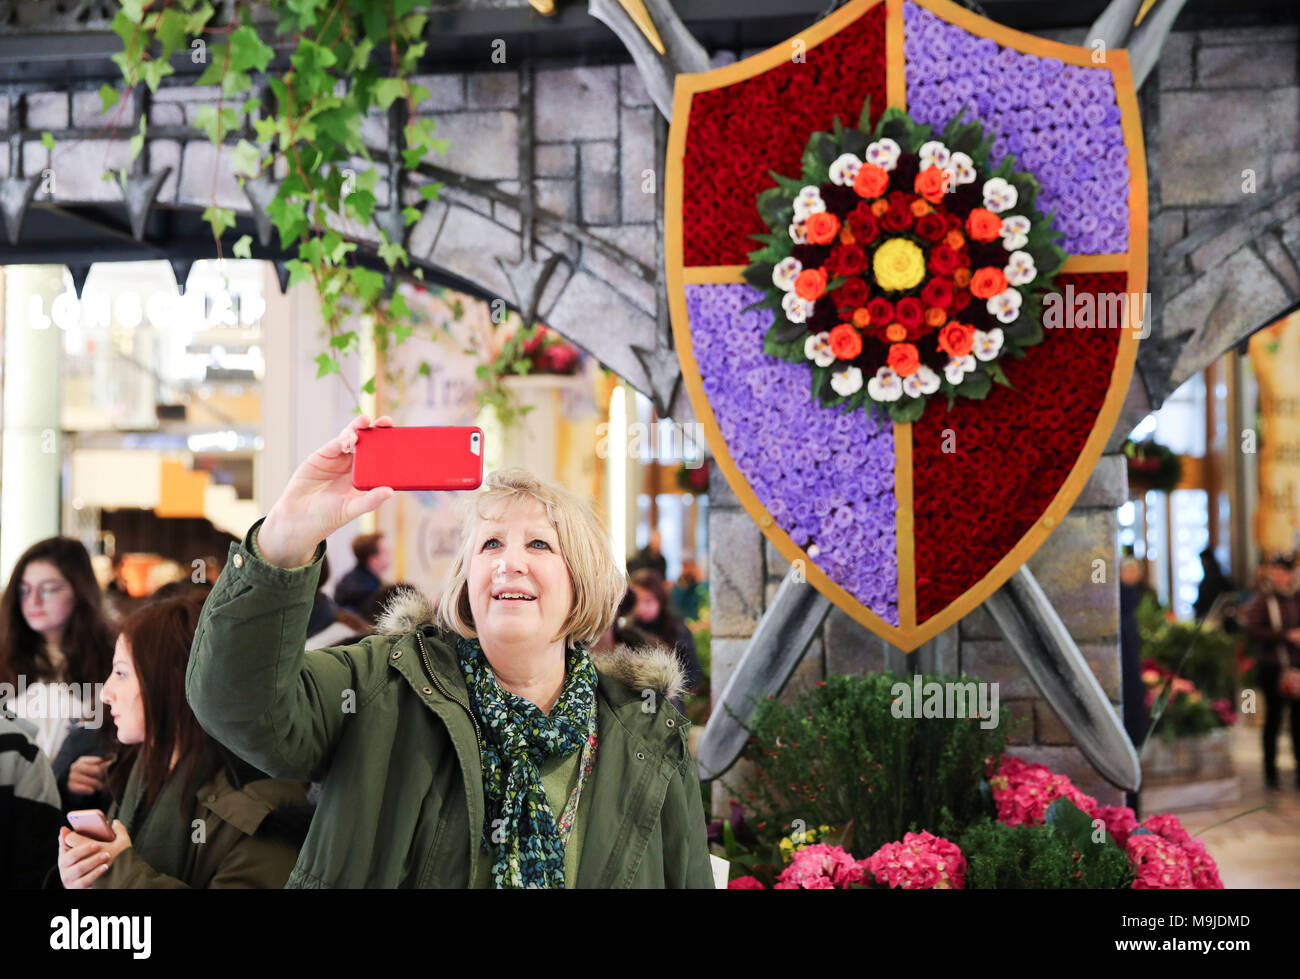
[{"x": 1224, "y": 102}]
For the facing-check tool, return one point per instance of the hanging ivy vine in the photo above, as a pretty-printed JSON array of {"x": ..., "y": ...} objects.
[{"x": 348, "y": 57}]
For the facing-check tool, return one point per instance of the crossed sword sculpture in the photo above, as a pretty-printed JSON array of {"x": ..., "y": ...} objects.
[{"x": 1021, "y": 611}]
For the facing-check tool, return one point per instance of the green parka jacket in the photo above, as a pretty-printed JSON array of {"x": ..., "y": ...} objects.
[{"x": 385, "y": 725}]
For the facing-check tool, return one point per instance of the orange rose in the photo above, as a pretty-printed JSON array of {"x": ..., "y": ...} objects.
[
  {"x": 846, "y": 236},
  {"x": 961, "y": 278},
  {"x": 810, "y": 284},
  {"x": 871, "y": 180},
  {"x": 983, "y": 224},
  {"x": 895, "y": 332},
  {"x": 822, "y": 228},
  {"x": 846, "y": 342},
  {"x": 932, "y": 183},
  {"x": 954, "y": 239},
  {"x": 956, "y": 339},
  {"x": 878, "y": 208},
  {"x": 920, "y": 208},
  {"x": 861, "y": 318},
  {"x": 934, "y": 316},
  {"x": 987, "y": 282},
  {"x": 904, "y": 358}
]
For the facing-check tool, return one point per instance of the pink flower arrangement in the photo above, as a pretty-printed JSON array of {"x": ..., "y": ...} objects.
[
  {"x": 1023, "y": 791},
  {"x": 745, "y": 884},
  {"x": 921, "y": 861},
  {"x": 1120, "y": 822},
  {"x": 820, "y": 867},
  {"x": 1159, "y": 864},
  {"x": 1202, "y": 871}
]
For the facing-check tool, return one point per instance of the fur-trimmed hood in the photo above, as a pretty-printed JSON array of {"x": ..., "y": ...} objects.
[{"x": 639, "y": 667}]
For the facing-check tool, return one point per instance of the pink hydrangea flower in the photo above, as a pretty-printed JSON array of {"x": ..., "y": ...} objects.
[
  {"x": 1120, "y": 822},
  {"x": 1023, "y": 792},
  {"x": 745, "y": 884},
  {"x": 1203, "y": 871},
  {"x": 1160, "y": 864},
  {"x": 820, "y": 867},
  {"x": 921, "y": 860}
]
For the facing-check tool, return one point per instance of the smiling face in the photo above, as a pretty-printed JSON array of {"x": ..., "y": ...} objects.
[
  {"x": 47, "y": 599},
  {"x": 122, "y": 695},
  {"x": 517, "y": 552}
]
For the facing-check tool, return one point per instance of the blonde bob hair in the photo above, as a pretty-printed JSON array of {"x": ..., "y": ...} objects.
[{"x": 599, "y": 584}]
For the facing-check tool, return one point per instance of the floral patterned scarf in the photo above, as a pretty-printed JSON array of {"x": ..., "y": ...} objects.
[{"x": 519, "y": 826}]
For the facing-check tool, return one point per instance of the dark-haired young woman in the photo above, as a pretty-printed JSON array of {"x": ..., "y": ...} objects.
[
  {"x": 189, "y": 814},
  {"x": 53, "y": 631}
]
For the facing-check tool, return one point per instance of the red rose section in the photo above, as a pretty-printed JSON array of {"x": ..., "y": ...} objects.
[
  {"x": 737, "y": 133},
  {"x": 985, "y": 471}
]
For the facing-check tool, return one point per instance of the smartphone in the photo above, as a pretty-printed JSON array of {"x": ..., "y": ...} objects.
[
  {"x": 91, "y": 823},
  {"x": 442, "y": 457}
]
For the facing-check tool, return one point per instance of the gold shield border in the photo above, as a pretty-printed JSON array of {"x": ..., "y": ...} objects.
[{"x": 909, "y": 634}]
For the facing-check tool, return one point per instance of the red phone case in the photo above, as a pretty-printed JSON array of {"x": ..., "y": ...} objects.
[{"x": 432, "y": 458}]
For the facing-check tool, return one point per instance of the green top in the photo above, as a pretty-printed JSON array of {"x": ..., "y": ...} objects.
[{"x": 559, "y": 776}]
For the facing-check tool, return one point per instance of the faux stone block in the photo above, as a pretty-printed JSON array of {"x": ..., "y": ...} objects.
[
  {"x": 776, "y": 564},
  {"x": 446, "y": 92},
  {"x": 1168, "y": 228},
  {"x": 87, "y": 112},
  {"x": 1254, "y": 65},
  {"x": 735, "y": 572},
  {"x": 623, "y": 277},
  {"x": 1108, "y": 484},
  {"x": 484, "y": 145},
  {"x": 1250, "y": 35},
  {"x": 492, "y": 89},
  {"x": 1175, "y": 64},
  {"x": 166, "y": 114},
  {"x": 638, "y": 157},
  {"x": 468, "y": 244},
  {"x": 806, "y": 675},
  {"x": 1256, "y": 293},
  {"x": 555, "y": 160},
  {"x": 720, "y": 493},
  {"x": 851, "y": 649},
  {"x": 1249, "y": 126},
  {"x": 576, "y": 103},
  {"x": 632, "y": 86},
  {"x": 560, "y": 197},
  {"x": 599, "y": 182},
  {"x": 1064, "y": 567},
  {"x": 425, "y": 231},
  {"x": 78, "y": 167},
  {"x": 995, "y": 662},
  {"x": 47, "y": 110},
  {"x": 587, "y": 306},
  {"x": 1012, "y": 711},
  {"x": 725, "y": 654}
]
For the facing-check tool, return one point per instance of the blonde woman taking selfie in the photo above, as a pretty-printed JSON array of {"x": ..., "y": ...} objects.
[{"x": 478, "y": 744}]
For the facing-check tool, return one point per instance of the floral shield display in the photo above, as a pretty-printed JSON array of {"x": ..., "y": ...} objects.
[{"x": 906, "y": 256}]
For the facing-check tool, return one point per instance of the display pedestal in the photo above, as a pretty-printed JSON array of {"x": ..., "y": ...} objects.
[{"x": 1189, "y": 773}]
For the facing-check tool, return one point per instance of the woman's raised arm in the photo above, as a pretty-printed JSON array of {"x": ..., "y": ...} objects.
[{"x": 249, "y": 681}]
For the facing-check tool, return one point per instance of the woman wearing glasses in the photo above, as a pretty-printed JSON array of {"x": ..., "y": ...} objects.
[{"x": 53, "y": 632}]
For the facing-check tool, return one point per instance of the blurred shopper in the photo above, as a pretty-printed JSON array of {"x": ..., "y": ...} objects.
[
  {"x": 1272, "y": 618},
  {"x": 55, "y": 642},
  {"x": 687, "y": 591},
  {"x": 1213, "y": 584},
  {"x": 358, "y": 586},
  {"x": 650, "y": 557},
  {"x": 1137, "y": 717},
  {"x": 173, "y": 778},
  {"x": 30, "y": 816},
  {"x": 653, "y": 615}
]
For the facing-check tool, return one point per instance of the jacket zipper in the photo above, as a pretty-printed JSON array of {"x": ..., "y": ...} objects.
[{"x": 424, "y": 654}]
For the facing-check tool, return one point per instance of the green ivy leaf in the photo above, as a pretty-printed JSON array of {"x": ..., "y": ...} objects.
[
  {"x": 47, "y": 140},
  {"x": 430, "y": 191},
  {"x": 198, "y": 18},
  {"x": 299, "y": 271},
  {"x": 246, "y": 159},
  {"x": 243, "y": 247},
  {"x": 109, "y": 96},
  {"x": 411, "y": 214},
  {"x": 171, "y": 31},
  {"x": 220, "y": 218},
  {"x": 155, "y": 71},
  {"x": 369, "y": 386},
  {"x": 326, "y": 365},
  {"x": 216, "y": 125},
  {"x": 137, "y": 141},
  {"x": 133, "y": 10},
  {"x": 388, "y": 90},
  {"x": 248, "y": 51},
  {"x": 392, "y": 253}
]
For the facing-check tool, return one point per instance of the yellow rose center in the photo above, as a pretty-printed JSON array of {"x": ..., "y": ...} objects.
[{"x": 898, "y": 265}]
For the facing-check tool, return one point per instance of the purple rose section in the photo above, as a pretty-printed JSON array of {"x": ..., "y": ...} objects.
[
  {"x": 825, "y": 476},
  {"x": 1061, "y": 122}
]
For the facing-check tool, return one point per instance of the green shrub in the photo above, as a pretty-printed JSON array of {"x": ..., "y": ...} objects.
[
  {"x": 838, "y": 753},
  {"x": 1001, "y": 856}
]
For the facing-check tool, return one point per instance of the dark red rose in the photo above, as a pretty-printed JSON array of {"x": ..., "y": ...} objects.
[
  {"x": 937, "y": 292},
  {"x": 960, "y": 300},
  {"x": 881, "y": 310},
  {"x": 853, "y": 293},
  {"x": 943, "y": 260},
  {"x": 897, "y": 220},
  {"x": 909, "y": 311},
  {"x": 864, "y": 225},
  {"x": 930, "y": 226},
  {"x": 848, "y": 260}
]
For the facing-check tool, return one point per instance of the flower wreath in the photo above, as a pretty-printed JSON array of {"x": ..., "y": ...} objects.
[{"x": 899, "y": 266}]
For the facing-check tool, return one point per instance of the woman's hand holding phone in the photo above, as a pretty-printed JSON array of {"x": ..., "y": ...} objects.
[
  {"x": 319, "y": 500},
  {"x": 83, "y": 860}
]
